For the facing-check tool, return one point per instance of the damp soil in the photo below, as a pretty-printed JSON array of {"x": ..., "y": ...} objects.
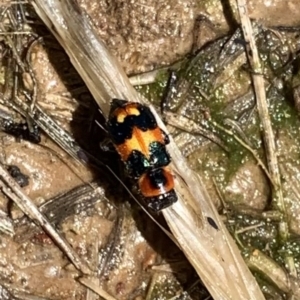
[{"x": 133, "y": 257}]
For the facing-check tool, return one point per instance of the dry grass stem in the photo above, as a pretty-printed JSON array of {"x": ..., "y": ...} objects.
[
  {"x": 14, "y": 192},
  {"x": 89, "y": 282},
  {"x": 269, "y": 138},
  {"x": 145, "y": 78},
  {"x": 261, "y": 102}
]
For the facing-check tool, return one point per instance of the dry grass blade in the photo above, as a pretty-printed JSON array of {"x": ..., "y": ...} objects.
[
  {"x": 6, "y": 224},
  {"x": 193, "y": 220},
  {"x": 14, "y": 192},
  {"x": 88, "y": 282}
]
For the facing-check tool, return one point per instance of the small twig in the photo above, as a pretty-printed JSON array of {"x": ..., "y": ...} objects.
[
  {"x": 19, "y": 2},
  {"x": 15, "y": 33},
  {"x": 145, "y": 78},
  {"x": 245, "y": 229},
  {"x": 262, "y": 107},
  {"x": 233, "y": 124}
]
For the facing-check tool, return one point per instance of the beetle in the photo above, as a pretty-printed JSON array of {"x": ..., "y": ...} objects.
[{"x": 141, "y": 144}]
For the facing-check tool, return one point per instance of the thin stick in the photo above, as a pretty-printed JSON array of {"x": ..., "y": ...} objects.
[
  {"x": 13, "y": 191},
  {"x": 262, "y": 107},
  {"x": 248, "y": 228},
  {"x": 269, "y": 140}
]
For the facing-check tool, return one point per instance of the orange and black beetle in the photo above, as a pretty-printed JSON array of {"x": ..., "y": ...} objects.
[{"x": 142, "y": 147}]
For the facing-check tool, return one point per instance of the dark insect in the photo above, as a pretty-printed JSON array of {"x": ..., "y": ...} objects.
[
  {"x": 142, "y": 147},
  {"x": 21, "y": 179},
  {"x": 212, "y": 223},
  {"x": 22, "y": 131}
]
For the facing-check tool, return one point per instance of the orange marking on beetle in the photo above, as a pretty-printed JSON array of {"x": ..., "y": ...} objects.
[
  {"x": 156, "y": 183},
  {"x": 140, "y": 141},
  {"x": 147, "y": 189},
  {"x": 128, "y": 110}
]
